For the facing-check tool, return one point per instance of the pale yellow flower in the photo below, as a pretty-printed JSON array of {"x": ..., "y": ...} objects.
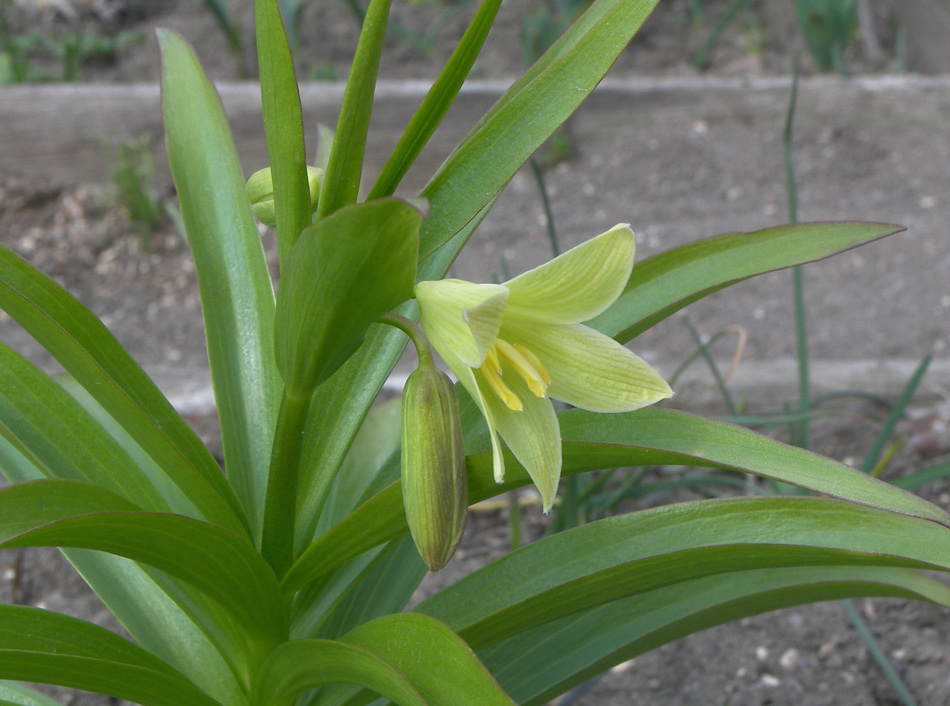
[{"x": 515, "y": 346}]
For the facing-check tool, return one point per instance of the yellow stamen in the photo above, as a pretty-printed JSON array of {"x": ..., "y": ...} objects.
[
  {"x": 522, "y": 366},
  {"x": 492, "y": 361},
  {"x": 492, "y": 376},
  {"x": 535, "y": 363}
]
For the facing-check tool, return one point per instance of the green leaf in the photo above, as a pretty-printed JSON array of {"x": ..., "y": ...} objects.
[
  {"x": 344, "y": 273},
  {"x": 44, "y": 423},
  {"x": 206, "y": 648},
  {"x": 12, "y": 694},
  {"x": 65, "y": 513},
  {"x": 437, "y": 101},
  {"x": 237, "y": 297},
  {"x": 476, "y": 172},
  {"x": 283, "y": 127},
  {"x": 336, "y": 414},
  {"x": 593, "y": 442},
  {"x": 306, "y": 664},
  {"x": 177, "y": 501},
  {"x": 698, "y": 441},
  {"x": 313, "y": 603},
  {"x": 90, "y": 353},
  {"x": 437, "y": 662},
  {"x": 384, "y": 587},
  {"x": 665, "y": 283},
  {"x": 378, "y": 439},
  {"x": 341, "y": 183},
  {"x": 537, "y": 665},
  {"x": 144, "y": 607},
  {"x": 42, "y": 646},
  {"x": 629, "y": 554},
  {"x": 220, "y": 11}
]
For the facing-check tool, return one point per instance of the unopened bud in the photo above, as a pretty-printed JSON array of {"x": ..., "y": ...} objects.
[
  {"x": 259, "y": 192},
  {"x": 434, "y": 483}
]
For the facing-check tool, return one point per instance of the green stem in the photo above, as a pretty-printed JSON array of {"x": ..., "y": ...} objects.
[
  {"x": 546, "y": 204},
  {"x": 280, "y": 505},
  {"x": 414, "y": 331},
  {"x": 877, "y": 654},
  {"x": 801, "y": 332}
]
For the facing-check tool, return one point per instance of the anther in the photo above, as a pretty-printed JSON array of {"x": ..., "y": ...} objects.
[
  {"x": 525, "y": 366},
  {"x": 511, "y": 400}
]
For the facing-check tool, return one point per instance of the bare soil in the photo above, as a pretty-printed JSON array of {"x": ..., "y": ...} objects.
[{"x": 144, "y": 287}]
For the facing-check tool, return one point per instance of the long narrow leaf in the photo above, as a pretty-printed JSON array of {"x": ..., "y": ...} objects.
[
  {"x": 342, "y": 180},
  {"x": 437, "y": 101},
  {"x": 283, "y": 127},
  {"x": 40, "y": 419},
  {"x": 42, "y": 646},
  {"x": 537, "y": 665},
  {"x": 629, "y": 554},
  {"x": 486, "y": 161},
  {"x": 595, "y": 442},
  {"x": 89, "y": 352},
  {"x": 208, "y": 649},
  {"x": 12, "y": 694},
  {"x": 306, "y": 664},
  {"x": 227, "y": 569},
  {"x": 383, "y": 588},
  {"x": 336, "y": 414},
  {"x": 665, "y": 283},
  {"x": 237, "y": 297},
  {"x": 177, "y": 501},
  {"x": 220, "y": 11},
  {"x": 142, "y": 605}
]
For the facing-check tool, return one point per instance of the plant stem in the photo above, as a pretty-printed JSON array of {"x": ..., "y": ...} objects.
[
  {"x": 546, "y": 204},
  {"x": 801, "y": 332},
  {"x": 877, "y": 654},
  {"x": 280, "y": 505},
  {"x": 411, "y": 329}
]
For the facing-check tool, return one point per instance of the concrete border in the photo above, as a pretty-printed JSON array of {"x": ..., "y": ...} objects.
[{"x": 60, "y": 131}]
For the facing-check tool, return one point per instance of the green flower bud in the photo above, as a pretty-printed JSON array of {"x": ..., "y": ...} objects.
[
  {"x": 434, "y": 483},
  {"x": 259, "y": 192}
]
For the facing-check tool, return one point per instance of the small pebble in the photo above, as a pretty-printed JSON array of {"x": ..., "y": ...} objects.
[
  {"x": 790, "y": 659},
  {"x": 827, "y": 648}
]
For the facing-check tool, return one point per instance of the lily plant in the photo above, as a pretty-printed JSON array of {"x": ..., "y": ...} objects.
[{"x": 283, "y": 578}]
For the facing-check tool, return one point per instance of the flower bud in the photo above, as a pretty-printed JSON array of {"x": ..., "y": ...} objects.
[
  {"x": 259, "y": 192},
  {"x": 434, "y": 482}
]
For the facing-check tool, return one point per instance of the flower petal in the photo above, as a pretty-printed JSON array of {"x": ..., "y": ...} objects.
[
  {"x": 461, "y": 318},
  {"x": 590, "y": 370},
  {"x": 466, "y": 376},
  {"x": 577, "y": 285},
  {"x": 533, "y": 434}
]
